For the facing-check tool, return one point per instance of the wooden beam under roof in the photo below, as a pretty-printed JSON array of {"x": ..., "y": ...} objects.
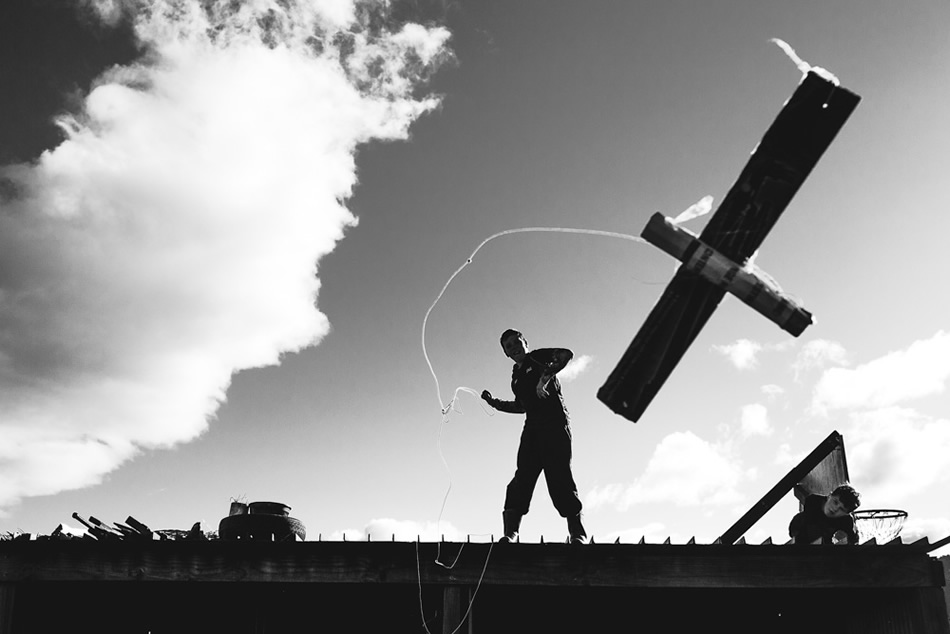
[
  {"x": 245, "y": 587},
  {"x": 772, "y": 566}
]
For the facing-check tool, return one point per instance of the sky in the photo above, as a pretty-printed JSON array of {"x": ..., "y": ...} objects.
[{"x": 225, "y": 229}]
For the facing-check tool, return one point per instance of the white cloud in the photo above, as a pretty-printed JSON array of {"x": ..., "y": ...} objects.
[
  {"x": 606, "y": 495},
  {"x": 173, "y": 238},
  {"x": 742, "y": 354},
  {"x": 754, "y": 420},
  {"x": 684, "y": 470},
  {"x": 386, "y": 528},
  {"x": 575, "y": 368},
  {"x": 819, "y": 353},
  {"x": 785, "y": 458},
  {"x": 772, "y": 391},
  {"x": 894, "y": 453},
  {"x": 920, "y": 370}
]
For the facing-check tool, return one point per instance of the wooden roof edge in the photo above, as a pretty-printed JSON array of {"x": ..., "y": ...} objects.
[
  {"x": 923, "y": 544},
  {"x": 940, "y": 543}
]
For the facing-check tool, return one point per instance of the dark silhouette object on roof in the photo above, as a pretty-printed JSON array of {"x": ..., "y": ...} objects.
[{"x": 261, "y": 521}]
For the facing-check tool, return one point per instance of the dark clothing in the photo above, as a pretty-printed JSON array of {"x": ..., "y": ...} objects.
[
  {"x": 545, "y": 440},
  {"x": 812, "y": 524},
  {"x": 548, "y": 451}
]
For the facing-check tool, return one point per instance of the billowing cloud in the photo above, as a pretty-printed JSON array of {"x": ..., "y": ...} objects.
[
  {"x": 920, "y": 370},
  {"x": 386, "y": 529},
  {"x": 575, "y": 368},
  {"x": 742, "y": 354},
  {"x": 173, "y": 238},
  {"x": 894, "y": 453},
  {"x": 684, "y": 470}
]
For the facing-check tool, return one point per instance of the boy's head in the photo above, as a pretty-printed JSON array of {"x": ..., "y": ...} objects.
[
  {"x": 510, "y": 333},
  {"x": 842, "y": 501},
  {"x": 514, "y": 344}
]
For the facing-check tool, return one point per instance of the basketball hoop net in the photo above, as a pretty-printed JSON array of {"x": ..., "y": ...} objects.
[{"x": 882, "y": 525}]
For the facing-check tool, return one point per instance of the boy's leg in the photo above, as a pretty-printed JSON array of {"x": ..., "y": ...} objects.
[
  {"x": 561, "y": 485},
  {"x": 521, "y": 488}
]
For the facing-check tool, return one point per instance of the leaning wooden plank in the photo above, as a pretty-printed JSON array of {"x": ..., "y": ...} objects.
[
  {"x": 95, "y": 531},
  {"x": 827, "y": 475},
  {"x": 144, "y": 530},
  {"x": 830, "y": 446},
  {"x": 940, "y": 543}
]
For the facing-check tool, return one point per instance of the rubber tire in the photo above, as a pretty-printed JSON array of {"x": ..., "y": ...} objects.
[{"x": 261, "y": 527}]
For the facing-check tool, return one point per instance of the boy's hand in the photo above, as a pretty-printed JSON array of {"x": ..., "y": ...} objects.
[
  {"x": 543, "y": 385},
  {"x": 486, "y": 395}
]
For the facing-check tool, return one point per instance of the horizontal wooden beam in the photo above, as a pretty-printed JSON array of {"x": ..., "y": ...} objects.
[
  {"x": 718, "y": 270},
  {"x": 604, "y": 565}
]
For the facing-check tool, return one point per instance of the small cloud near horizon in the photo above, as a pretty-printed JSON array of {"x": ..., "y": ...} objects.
[
  {"x": 818, "y": 354},
  {"x": 754, "y": 420},
  {"x": 772, "y": 391},
  {"x": 742, "y": 354}
]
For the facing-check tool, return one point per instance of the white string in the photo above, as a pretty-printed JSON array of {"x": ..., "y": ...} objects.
[
  {"x": 425, "y": 319},
  {"x": 478, "y": 585}
]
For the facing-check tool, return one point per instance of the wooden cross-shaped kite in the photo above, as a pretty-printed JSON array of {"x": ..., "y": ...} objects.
[{"x": 713, "y": 262}]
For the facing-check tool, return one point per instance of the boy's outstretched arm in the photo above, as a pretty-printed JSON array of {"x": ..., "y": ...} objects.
[{"x": 509, "y": 407}]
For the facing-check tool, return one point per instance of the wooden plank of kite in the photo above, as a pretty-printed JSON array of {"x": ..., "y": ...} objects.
[{"x": 802, "y": 131}]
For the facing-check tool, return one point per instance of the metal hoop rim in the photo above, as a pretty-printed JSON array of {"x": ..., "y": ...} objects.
[{"x": 879, "y": 514}]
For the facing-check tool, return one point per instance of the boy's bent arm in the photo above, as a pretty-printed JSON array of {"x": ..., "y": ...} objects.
[{"x": 553, "y": 360}]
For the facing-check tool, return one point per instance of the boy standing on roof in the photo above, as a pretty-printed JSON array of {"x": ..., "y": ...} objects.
[
  {"x": 827, "y": 518},
  {"x": 546, "y": 437}
]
